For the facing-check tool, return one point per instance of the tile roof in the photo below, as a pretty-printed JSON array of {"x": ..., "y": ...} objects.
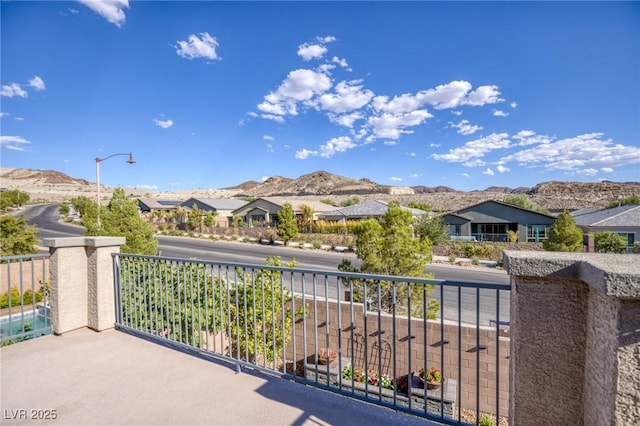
[
  {"x": 617, "y": 216},
  {"x": 370, "y": 208},
  {"x": 217, "y": 203}
]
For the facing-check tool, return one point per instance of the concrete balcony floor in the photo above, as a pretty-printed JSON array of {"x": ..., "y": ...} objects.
[{"x": 113, "y": 378}]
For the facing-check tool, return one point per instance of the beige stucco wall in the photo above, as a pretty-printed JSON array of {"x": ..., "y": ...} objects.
[{"x": 575, "y": 338}]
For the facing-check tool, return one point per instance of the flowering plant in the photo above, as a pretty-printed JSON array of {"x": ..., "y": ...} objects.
[
  {"x": 372, "y": 377},
  {"x": 327, "y": 355},
  {"x": 432, "y": 375}
]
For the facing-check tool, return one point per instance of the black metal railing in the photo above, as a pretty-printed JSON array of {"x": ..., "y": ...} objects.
[
  {"x": 24, "y": 297},
  {"x": 366, "y": 336}
]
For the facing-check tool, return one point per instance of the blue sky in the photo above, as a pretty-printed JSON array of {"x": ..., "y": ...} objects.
[{"x": 211, "y": 94}]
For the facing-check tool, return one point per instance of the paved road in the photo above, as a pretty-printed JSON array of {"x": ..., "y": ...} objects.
[{"x": 464, "y": 300}]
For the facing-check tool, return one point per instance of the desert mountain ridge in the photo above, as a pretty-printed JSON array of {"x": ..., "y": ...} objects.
[{"x": 54, "y": 186}]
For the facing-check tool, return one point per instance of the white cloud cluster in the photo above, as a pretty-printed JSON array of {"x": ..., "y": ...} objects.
[
  {"x": 198, "y": 47},
  {"x": 15, "y": 89},
  {"x": 464, "y": 128},
  {"x": 165, "y": 124},
  {"x": 367, "y": 117},
  {"x": 111, "y": 10},
  {"x": 586, "y": 154},
  {"x": 15, "y": 143}
]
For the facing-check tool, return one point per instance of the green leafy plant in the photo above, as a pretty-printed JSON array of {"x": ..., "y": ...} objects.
[
  {"x": 486, "y": 420},
  {"x": 432, "y": 375}
]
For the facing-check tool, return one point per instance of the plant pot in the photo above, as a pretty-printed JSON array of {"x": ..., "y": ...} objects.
[
  {"x": 430, "y": 385},
  {"x": 325, "y": 361}
]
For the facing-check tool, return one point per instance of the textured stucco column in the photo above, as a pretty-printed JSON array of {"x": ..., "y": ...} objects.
[
  {"x": 101, "y": 298},
  {"x": 575, "y": 338},
  {"x": 81, "y": 282}
]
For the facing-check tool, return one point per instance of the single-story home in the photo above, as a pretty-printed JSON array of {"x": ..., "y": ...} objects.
[
  {"x": 365, "y": 210},
  {"x": 154, "y": 204},
  {"x": 623, "y": 220},
  {"x": 224, "y": 207},
  {"x": 492, "y": 220},
  {"x": 264, "y": 211}
]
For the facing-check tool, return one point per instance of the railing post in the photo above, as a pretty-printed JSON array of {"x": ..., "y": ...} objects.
[
  {"x": 82, "y": 282},
  {"x": 575, "y": 338}
]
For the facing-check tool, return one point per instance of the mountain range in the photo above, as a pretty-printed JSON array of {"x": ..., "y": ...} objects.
[{"x": 54, "y": 186}]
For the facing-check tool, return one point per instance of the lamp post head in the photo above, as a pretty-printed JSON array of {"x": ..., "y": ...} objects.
[{"x": 130, "y": 160}]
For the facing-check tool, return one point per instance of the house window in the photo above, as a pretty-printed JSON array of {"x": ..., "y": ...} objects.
[
  {"x": 455, "y": 230},
  {"x": 631, "y": 238},
  {"x": 537, "y": 233}
]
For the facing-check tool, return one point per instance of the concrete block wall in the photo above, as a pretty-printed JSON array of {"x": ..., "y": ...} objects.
[
  {"x": 477, "y": 366},
  {"x": 575, "y": 338}
]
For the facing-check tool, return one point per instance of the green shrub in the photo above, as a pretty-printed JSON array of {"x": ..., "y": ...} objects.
[
  {"x": 452, "y": 258},
  {"x": 469, "y": 250},
  {"x": 486, "y": 420},
  {"x": 475, "y": 261}
]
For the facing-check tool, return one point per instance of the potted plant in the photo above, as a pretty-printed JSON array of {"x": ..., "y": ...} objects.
[
  {"x": 326, "y": 356},
  {"x": 432, "y": 377}
]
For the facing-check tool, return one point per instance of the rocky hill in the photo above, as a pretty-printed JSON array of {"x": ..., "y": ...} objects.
[{"x": 49, "y": 185}]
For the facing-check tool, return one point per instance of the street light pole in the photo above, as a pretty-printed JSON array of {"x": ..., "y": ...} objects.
[{"x": 98, "y": 161}]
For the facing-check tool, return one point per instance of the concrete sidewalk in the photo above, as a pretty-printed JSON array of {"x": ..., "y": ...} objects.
[{"x": 113, "y": 378}]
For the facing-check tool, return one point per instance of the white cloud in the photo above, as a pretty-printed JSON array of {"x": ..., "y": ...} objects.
[
  {"x": 464, "y": 128},
  {"x": 579, "y": 153},
  {"x": 339, "y": 144},
  {"x": 483, "y": 95},
  {"x": 346, "y": 120},
  {"x": 268, "y": 138},
  {"x": 411, "y": 154},
  {"x": 14, "y": 143},
  {"x": 434, "y": 145},
  {"x": 12, "y": 90},
  {"x": 488, "y": 172},
  {"x": 445, "y": 96},
  {"x": 19, "y": 119},
  {"x": 347, "y": 96},
  {"x": 513, "y": 104},
  {"x": 415, "y": 175},
  {"x": 147, "y": 187},
  {"x": 499, "y": 113},
  {"x": 165, "y": 124},
  {"x": 390, "y": 126},
  {"x": 326, "y": 39},
  {"x": 606, "y": 170},
  {"x": 587, "y": 172},
  {"x": 269, "y": 147},
  {"x": 300, "y": 85},
  {"x": 195, "y": 47},
  {"x": 342, "y": 62},
  {"x": 502, "y": 169},
  {"x": 466, "y": 175},
  {"x": 305, "y": 153},
  {"x": 37, "y": 83},
  {"x": 111, "y": 10},
  {"x": 458, "y": 113},
  {"x": 311, "y": 51},
  {"x": 395, "y": 179},
  {"x": 4, "y": 114},
  {"x": 475, "y": 149}
]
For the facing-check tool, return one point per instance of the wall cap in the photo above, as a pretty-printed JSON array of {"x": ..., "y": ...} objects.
[
  {"x": 83, "y": 242},
  {"x": 616, "y": 275}
]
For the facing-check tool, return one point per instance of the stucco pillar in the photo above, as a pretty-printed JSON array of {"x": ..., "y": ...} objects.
[
  {"x": 82, "y": 282},
  {"x": 575, "y": 338},
  {"x": 101, "y": 298}
]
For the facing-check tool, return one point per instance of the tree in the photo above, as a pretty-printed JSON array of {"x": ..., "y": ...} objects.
[
  {"x": 13, "y": 197},
  {"x": 195, "y": 219},
  {"x": 435, "y": 229},
  {"x": 350, "y": 202},
  {"x": 610, "y": 242},
  {"x": 525, "y": 202},
  {"x": 122, "y": 219},
  {"x": 210, "y": 219},
  {"x": 564, "y": 235},
  {"x": 417, "y": 205},
  {"x": 388, "y": 247},
  {"x": 287, "y": 227},
  {"x": 630, "y": 200},
  {"x": 306, "y": 218},
  {"x": 16, "y": 237}
]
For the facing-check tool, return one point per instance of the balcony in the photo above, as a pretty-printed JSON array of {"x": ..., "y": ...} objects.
[{"x": 570, "y": 314}]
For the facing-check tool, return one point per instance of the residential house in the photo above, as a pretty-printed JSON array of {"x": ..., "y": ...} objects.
[
  {"x": 492, "y": 220},
  {"x": 264, "y": 211},
  {"x": 224, "y": 207},
  {"x": 365, "y": 210},
  {"x": 153, "y": 204},
  {"x": 623, "y": 220}
]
